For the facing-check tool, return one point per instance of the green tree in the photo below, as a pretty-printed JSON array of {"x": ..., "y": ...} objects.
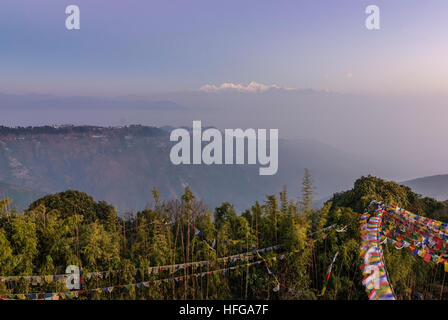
[{"x": 307, "y": 194}]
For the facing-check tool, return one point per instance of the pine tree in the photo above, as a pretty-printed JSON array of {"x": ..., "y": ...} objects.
[
  {"x": 307, "y": 194},
  {"x": 284, "y": 200}
]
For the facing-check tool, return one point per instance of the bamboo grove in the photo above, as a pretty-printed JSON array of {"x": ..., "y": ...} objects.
[{"x": 120, "y": 252}]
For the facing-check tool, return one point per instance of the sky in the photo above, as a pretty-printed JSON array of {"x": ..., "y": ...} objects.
[
  {"x": 140, "y": 47},
  {"x": 309, "y": 68}
]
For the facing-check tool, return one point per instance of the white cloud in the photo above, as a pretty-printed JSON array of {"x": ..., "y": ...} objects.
[{"x": 251, "y": 87}]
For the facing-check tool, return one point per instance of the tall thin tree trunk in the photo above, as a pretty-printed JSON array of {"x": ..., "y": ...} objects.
[
  {"x": 247, "y": 267},
  {"x": 185, "y": 267},
  {"x": 443, "y": 283},
  {"x": 188, "y": 252}
]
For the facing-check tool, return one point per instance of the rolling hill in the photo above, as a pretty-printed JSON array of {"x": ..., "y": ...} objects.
[
  {"x": 21, "y": 197},
  {"x": 432, "y": 186},
  {"x": 122, "y": 164}
]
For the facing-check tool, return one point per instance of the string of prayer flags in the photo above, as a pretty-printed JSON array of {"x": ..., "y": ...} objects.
[
  {"x": 272, "y": 274},
  {"x": 328, "y": 274},
  {"x": 140, "y": 285},
  {"x": 146, "y": 284},
  {"x": 373, "y": 269},
  {"x": 428, "y": 257},
  {"x": 197, "y": 232},
  {"x": 429, "y": 234},
  {"x": 424, "y": 237},
  {"x": 234, "y": 241},
  {"x": 326, "y": 230},
  {"x": 39, "y": 279}
]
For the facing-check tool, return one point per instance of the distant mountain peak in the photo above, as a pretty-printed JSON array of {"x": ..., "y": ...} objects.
[{"x": 252, "y": 87}]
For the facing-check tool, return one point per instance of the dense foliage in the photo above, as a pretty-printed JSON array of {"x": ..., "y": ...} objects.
[{"x": 71, "y": 228}]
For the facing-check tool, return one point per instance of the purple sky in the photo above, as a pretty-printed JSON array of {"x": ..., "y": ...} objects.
[
  {"x": 132, "y": 46},
  {"x": 390, "y": 84}
]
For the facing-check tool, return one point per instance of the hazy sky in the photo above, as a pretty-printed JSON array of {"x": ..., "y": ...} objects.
[
  {"x": 380, "y": 94},
  {"x": 144, "y": 46}
]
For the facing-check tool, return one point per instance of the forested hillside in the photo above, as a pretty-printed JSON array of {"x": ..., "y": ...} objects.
[
  {"x": 179, "y": 249},
  {"x": 20, "y": 196},
  {"x": 121, "y": 164}
]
